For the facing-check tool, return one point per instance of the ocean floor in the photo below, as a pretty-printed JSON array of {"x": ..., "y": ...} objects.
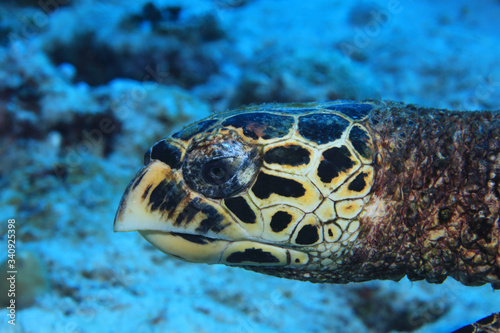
[{"x": 86, "y": 86}]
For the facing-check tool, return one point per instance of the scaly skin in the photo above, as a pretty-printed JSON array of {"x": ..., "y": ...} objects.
[{"x": 436, "y": 200}]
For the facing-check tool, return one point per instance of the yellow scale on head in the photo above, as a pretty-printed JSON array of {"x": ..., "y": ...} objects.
[{"x": 267, "y": 185}]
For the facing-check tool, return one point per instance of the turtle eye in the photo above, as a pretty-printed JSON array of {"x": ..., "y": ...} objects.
[
  {"x": 217, "y": 172},
  {"x": 220, "y": 170}
]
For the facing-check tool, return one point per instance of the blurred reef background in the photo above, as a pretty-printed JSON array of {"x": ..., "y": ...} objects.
[{"x": 86, "y": 86}]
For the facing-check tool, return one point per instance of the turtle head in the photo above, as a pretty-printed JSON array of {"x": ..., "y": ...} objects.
[
  {"x": 252, "y": 189},
  {"x": 192, "y": 201}
]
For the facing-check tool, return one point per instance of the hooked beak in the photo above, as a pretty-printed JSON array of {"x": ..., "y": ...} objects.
[{"x": 167, "y": 214}]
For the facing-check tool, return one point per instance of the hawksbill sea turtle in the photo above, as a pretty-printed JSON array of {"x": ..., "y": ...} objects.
[{"x": 331, "y": 192}]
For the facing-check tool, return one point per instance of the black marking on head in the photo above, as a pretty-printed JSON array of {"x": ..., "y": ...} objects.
[
  {"x": 211, "y": 223},
  {"x": 361, "y": 142},
  {"x": 194, "y": 238},
  {"x": 330, "y": 232},
  {"x": 188, "y": 213},
  {"x": 336, "y": 160},
  {"x": 269, "y": 184},
  {"x": 166, "y": 196},
  {"x": 322, "y": 127},
  {"x": 293, "y": 155},
  {"x": 174, "y": 197},
  {"x": 359, "y": 183},
  {"x": 252, "y": 255},
  {"x": 213, "y": 219},
  {"x": 138, "y": 179},
  {"x": 261, "y": 125},
  {"x": 307, "y": 235},
  {"x": 280, "y": 221},
  {"x": 165, "y": 152},
  {"x": 146, "y": 192},
  {"x": 240, "y": 207},
  {"x": 355, "y": 111},
  {"x": 190, "y": 131}
]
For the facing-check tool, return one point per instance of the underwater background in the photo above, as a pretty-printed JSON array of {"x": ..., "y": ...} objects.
[{"x": 86, "y": 86}]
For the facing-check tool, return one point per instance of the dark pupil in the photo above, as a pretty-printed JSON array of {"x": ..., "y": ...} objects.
[{"x": 216, "y": 172}]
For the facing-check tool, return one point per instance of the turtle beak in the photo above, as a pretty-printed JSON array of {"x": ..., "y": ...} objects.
[
  {"x": 159, "y": 205},
  {"x": 158, "y": 199},
  {"x": 141, "y": 206}
]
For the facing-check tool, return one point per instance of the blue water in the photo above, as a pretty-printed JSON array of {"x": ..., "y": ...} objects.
[{"x": 86, "y": 86}]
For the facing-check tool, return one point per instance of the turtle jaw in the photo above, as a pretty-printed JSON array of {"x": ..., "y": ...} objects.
[
  {"x": 186, "y": 247},
  {"x": 199, "y": 249}
]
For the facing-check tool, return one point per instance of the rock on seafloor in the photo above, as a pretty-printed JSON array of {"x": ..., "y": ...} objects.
[{"x": 86, "y": 86}]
